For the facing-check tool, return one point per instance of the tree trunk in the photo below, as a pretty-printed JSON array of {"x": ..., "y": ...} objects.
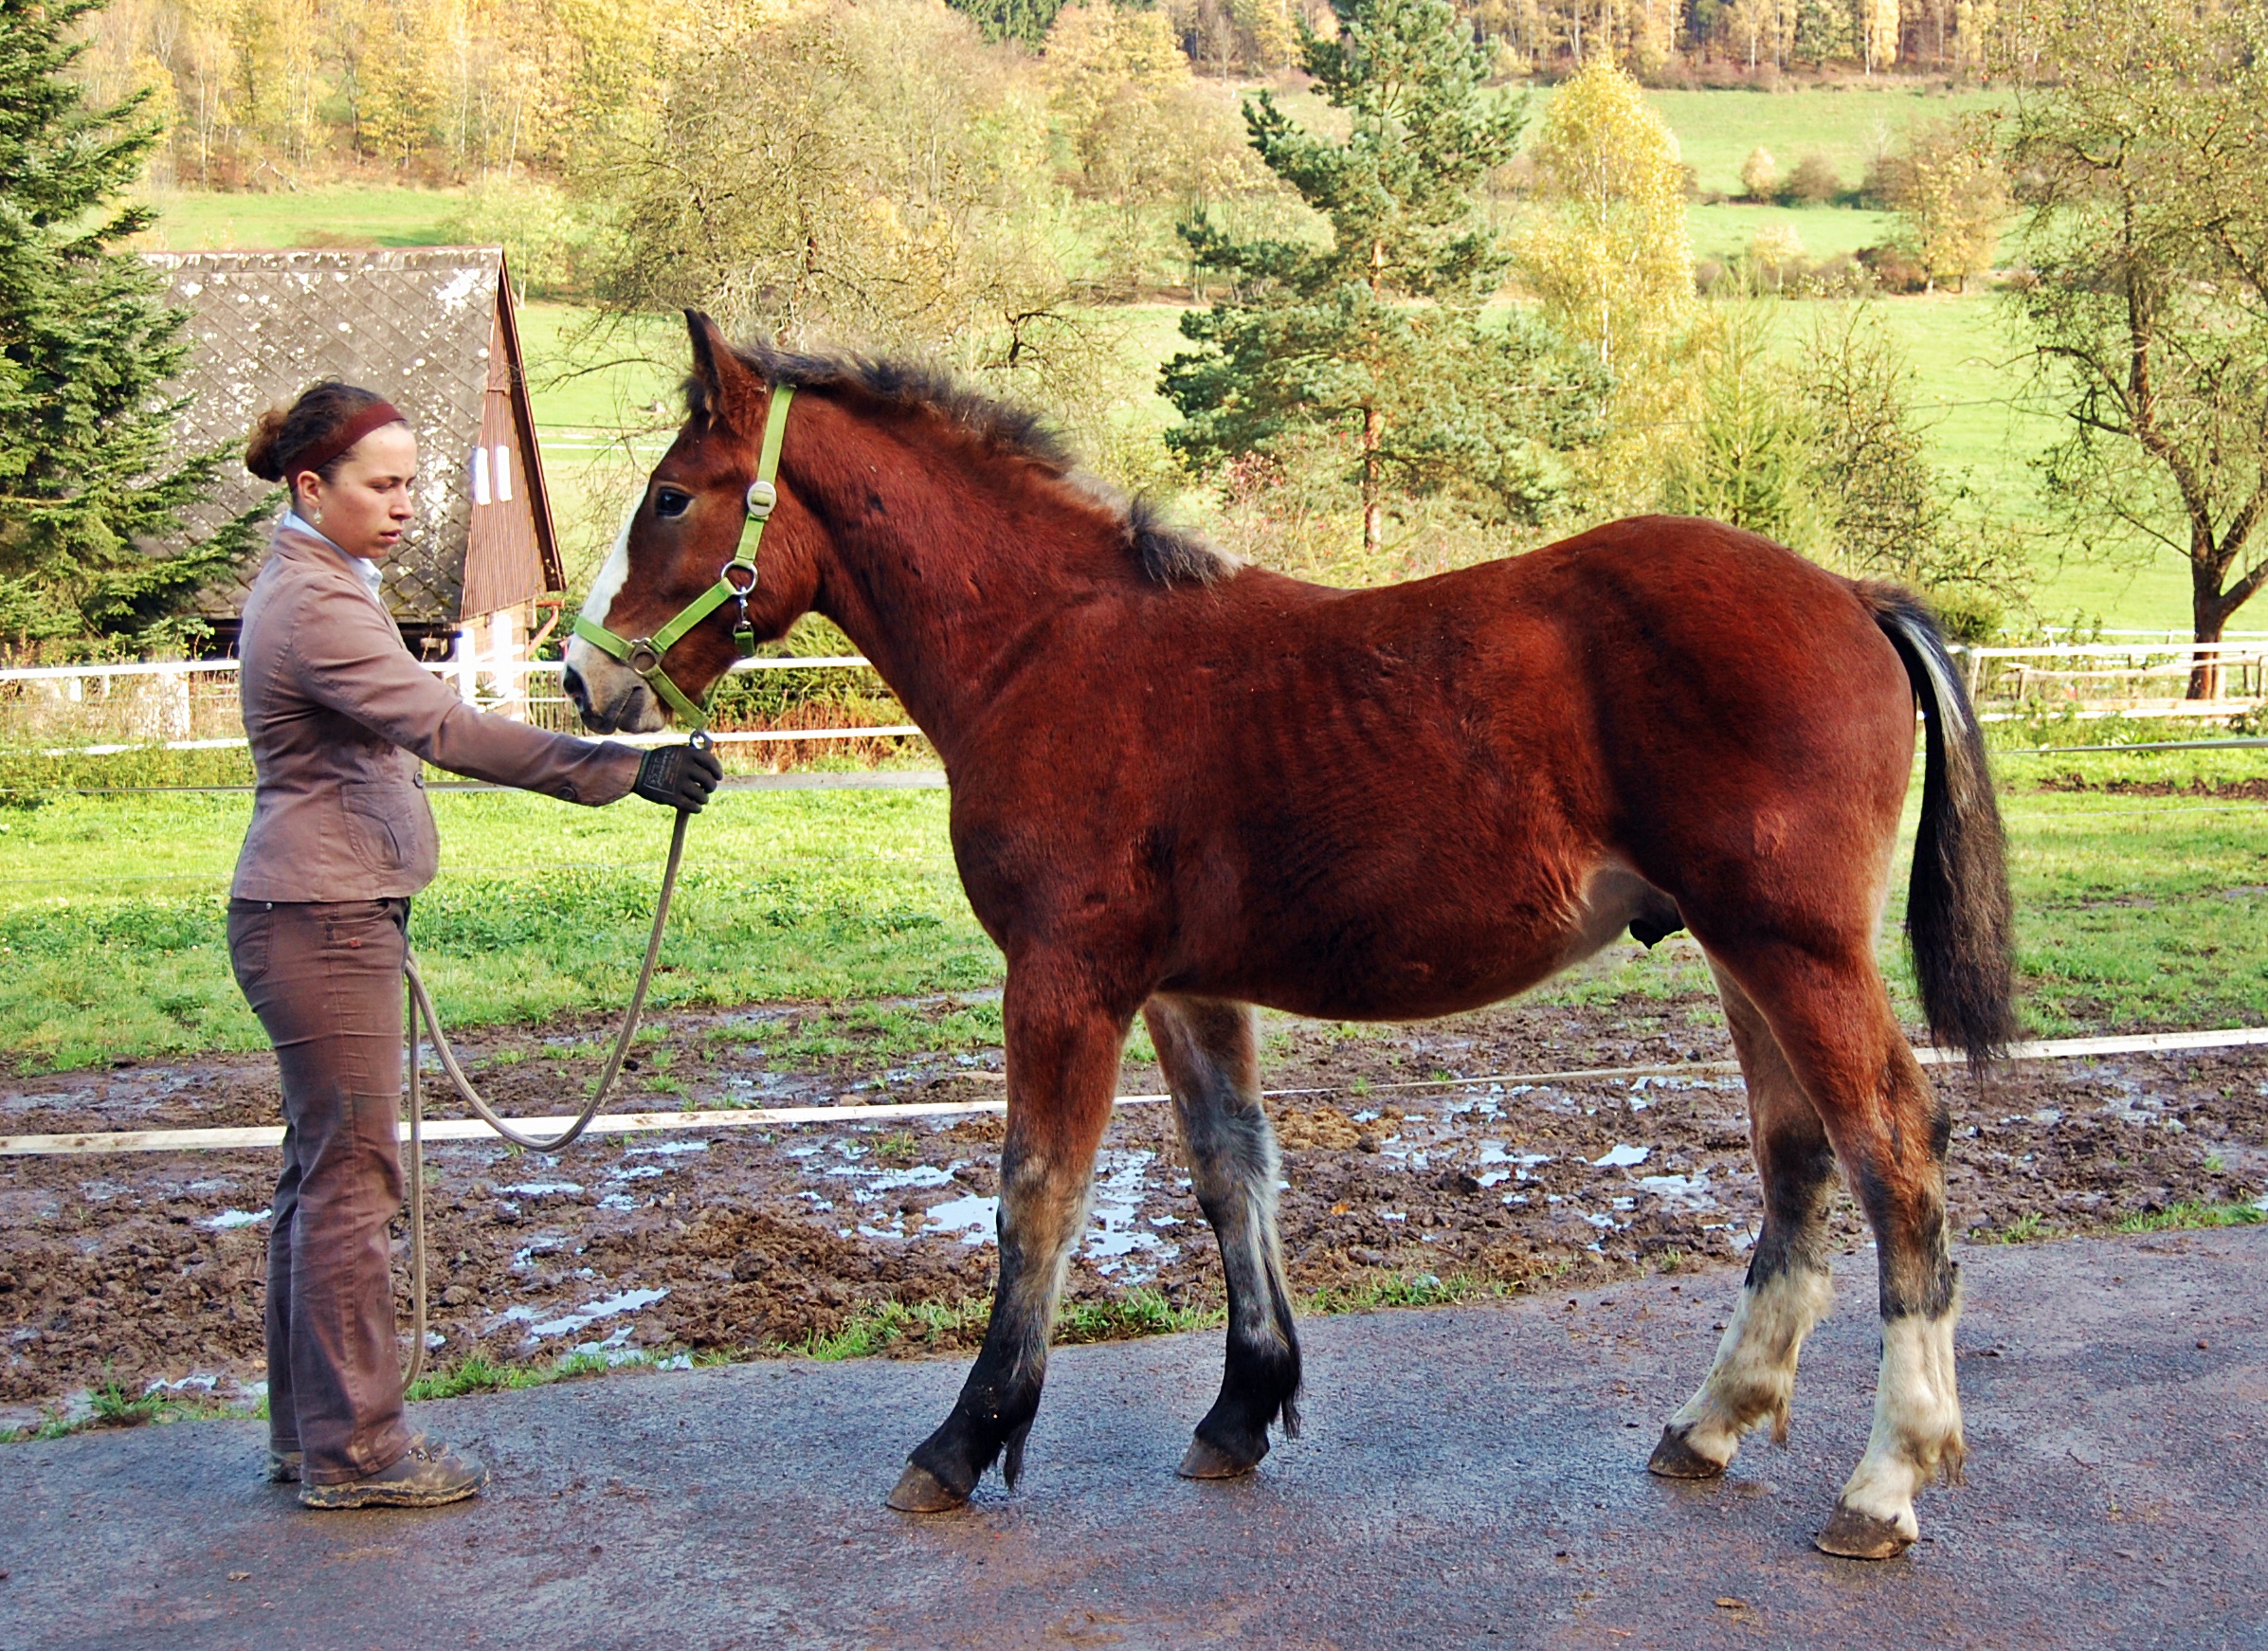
[
  {"x": 2209, "y": 613},
  {"x": 1373, "y": 507}
]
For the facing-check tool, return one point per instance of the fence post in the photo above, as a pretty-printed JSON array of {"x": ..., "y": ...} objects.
[{"x": 468, "y": 665}]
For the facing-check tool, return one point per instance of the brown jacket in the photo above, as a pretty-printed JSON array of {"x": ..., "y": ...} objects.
[{"x": 339, "y": 716}]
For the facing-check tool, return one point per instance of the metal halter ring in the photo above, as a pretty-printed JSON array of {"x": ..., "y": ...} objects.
[
  {"x": 725, "y": 576},
  {"x": 644, "y": 657}
]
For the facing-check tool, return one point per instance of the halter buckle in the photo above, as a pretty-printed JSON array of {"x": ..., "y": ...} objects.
[{"x": 762, "y": 496}]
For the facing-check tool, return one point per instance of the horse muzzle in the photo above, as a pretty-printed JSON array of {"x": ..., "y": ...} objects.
[{"x": 610, "y": 698}]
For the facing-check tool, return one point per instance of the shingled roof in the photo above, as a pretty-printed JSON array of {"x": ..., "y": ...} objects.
[{"x": 429, "y": 327}]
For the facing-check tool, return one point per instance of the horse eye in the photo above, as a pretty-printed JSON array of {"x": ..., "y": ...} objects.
[{"x": 670, "y": 501}]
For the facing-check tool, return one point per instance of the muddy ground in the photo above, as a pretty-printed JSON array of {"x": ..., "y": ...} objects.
[{"x": 141, "y": 1269}]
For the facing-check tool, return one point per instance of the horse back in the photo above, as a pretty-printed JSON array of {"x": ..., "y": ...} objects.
[{"x": 1402, "y": 800}]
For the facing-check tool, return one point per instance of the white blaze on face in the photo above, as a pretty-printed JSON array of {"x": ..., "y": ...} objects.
[
  {"x": 581, "y": 656},
  {"x": 614, "y": 574}
]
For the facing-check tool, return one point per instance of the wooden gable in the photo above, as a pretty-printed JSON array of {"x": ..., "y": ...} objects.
[{"x": 433, "y": 330}]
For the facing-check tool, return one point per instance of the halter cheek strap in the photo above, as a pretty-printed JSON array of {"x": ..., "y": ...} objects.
[{"x": 734, "y": 584}]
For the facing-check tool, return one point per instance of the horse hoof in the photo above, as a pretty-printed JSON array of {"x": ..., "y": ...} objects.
[
  {"x": 919, "y": 1491},
  {"x": 1851, "y": 1534},
  {"x": 1674, "y": 1459},
  {"x": 1209, "y": 1461}
]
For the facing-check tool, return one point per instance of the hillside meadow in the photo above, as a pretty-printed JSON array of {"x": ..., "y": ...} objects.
[{"x": 602, "y": 428}]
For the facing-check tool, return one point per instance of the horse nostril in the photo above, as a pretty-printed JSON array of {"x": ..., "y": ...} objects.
[{"x": 571, "y": 681}]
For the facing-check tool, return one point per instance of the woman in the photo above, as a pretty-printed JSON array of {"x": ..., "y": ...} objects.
[{"x": 341, "y": 720}]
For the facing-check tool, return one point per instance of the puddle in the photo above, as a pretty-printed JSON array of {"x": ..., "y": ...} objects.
[
  {"x": 198, "y": 1383},
  {"x": 974, "y": 1220},
  {"x": 228, "y": 1218},
  {"x": 873, "y": 1183},
  {"x": 1621, "y": 1157},
  {"x": 541, "y": 1247},
  {"x": 1680, "y": 1191},
  {"x": 542, "y": 1189},
  {"x": 1121, "y": 1181},
  {"x": 580, "y": 1318}
]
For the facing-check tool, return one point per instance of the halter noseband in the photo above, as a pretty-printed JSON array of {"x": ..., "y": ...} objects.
[{"x": 643, "y": 654}]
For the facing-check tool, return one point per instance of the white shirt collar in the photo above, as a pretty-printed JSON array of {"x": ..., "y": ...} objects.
[{"x": 362, "y": 567}]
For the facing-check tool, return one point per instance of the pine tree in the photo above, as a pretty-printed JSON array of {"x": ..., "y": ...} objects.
[
  {"x": 87, "y": 344},
  {"x": 1026, "y": 20},
  {"x": 1378, "y": 339}
]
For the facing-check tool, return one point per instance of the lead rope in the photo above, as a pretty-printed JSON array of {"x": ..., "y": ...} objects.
[{"x": 421, "y": 1004}]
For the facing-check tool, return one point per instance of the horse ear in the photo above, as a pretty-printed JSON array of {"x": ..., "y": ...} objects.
[{"x": 736, "y": 396}]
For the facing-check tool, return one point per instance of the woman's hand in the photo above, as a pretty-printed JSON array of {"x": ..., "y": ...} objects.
[{"x": 679, "y": 777}]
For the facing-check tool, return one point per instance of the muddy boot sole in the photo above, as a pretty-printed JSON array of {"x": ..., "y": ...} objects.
[{"x": 362, "y": 1494}]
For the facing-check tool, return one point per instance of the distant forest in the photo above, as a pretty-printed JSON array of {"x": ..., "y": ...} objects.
[{"x": 270, "y": 93}]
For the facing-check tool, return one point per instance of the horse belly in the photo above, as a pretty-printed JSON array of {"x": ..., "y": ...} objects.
[{"x": 1453, "y": 938}]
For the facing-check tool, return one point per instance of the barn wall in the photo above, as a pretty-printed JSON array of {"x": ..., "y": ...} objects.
[{"x": 503, "y": 560}]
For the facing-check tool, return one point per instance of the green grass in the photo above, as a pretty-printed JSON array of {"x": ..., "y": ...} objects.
[
  {"x": 2028, "y": 1228},
  {"x": 113, "y": 1406},
  {"x": 1723, "y": 232},
  {"x": 2190, "y": 1216},
  {"x": 2140, "y": 911},
  {"x": 2133, "y": 912},
  {"x": 112, "y": 938},
  {"x": 875, "y": 1327},
  {"x": 2193, "y": 1217},
  {"x": 477, "y": 1374},
  {"x": 1420, "y": 1290},
  {"x": 1717, "y": 130},
  {"x": 110, "y": 1406},
  {"x": 321, "y": 215}
]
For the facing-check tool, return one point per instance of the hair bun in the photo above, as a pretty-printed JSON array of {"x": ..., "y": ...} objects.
[{"x": 264, "y": 451}]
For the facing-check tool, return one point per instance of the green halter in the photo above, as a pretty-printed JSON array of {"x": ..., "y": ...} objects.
[{"x": 644, "y": 654}]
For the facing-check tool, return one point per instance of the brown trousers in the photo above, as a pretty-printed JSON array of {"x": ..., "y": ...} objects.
[{"x": 325, "y": 979}]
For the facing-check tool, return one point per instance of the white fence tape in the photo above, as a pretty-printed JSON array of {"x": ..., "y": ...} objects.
[
  {"x": 2075, "y": 677},
  {"x": 632, "y": 1123}
]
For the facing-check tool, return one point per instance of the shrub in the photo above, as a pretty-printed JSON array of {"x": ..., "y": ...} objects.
[
  {"x": 1815, "y": 181},
  {"x": 1760, "y": 174},
  {"x": 1894, "y": 269}
]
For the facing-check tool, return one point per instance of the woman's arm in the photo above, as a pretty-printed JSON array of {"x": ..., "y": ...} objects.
[{"x": 347, "y": 655}]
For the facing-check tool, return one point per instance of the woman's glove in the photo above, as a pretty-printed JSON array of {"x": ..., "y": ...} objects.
[{"x": 679, "y": 777}]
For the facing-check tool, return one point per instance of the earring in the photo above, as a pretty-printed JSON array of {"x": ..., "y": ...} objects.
[{"x": 318, "y": 518}]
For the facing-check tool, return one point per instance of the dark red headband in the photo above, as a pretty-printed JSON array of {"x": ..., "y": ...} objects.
[{"x": 318, "y": 454}]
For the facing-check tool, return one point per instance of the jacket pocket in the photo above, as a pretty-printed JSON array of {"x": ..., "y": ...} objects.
[{"x": 383, "y": 821}]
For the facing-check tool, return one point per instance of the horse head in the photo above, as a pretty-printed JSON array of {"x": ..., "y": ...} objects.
[{"x": 682, "y": 539}]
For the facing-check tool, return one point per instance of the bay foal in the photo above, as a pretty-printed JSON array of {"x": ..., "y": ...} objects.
[{"x": 1182, "y": 788}]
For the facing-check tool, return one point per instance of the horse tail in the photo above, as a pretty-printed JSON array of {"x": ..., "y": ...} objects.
[{"x": 1960, "y": 920}]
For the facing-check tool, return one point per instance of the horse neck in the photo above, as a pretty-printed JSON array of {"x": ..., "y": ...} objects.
[{"x": 939, "y": 566}]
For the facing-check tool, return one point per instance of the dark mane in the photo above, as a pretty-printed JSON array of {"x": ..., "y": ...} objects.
[{"x": 1164, "y": 554}]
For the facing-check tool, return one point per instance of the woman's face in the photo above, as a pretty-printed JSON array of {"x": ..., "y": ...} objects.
[{"x": 365, "y": 508}]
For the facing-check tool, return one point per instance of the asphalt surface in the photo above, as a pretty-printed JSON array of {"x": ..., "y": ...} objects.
[{"x": 1469, "y": 1476}]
